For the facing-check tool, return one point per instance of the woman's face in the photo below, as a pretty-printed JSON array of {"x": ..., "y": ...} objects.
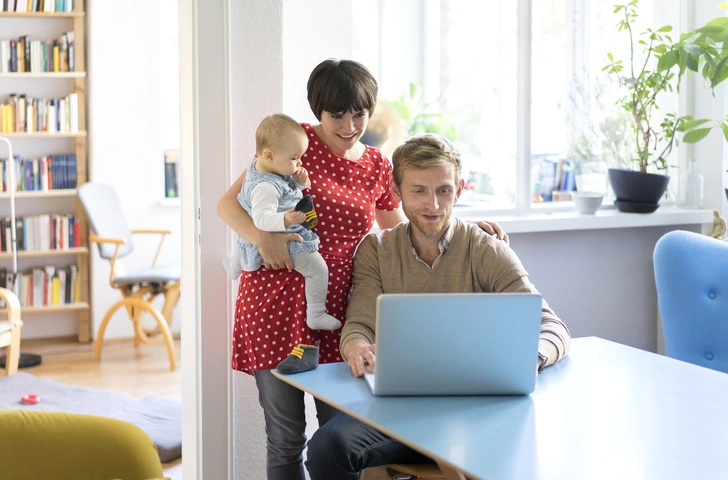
[{"x": 342, "y": 130}]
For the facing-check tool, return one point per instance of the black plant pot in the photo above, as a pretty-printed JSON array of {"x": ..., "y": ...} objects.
[{"x": 637, "y": 192}]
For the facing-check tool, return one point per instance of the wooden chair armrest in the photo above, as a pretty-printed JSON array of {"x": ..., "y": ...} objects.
[
  {"x": 97, "y": 239},
  {"x": 161, "y": 240},
  {"x": 146, "y": 230},
  {"x": 11, "y": 300}
]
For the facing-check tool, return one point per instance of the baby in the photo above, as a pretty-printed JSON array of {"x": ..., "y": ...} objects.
[{"x": 272, "y": 197}]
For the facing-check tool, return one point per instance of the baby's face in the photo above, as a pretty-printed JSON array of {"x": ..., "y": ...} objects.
[{"x": 287, "y": 156}]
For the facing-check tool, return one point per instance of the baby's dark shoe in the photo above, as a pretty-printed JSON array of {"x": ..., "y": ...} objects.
[
  {"x": 301, "y": 359},
  {"x": 305, "y": 205}
]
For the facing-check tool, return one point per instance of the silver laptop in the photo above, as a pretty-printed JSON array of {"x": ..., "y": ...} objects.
[{"x": 456, "y": 344}]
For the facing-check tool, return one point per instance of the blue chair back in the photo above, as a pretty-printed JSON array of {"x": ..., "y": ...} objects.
[{"x": 691, "y": 275}]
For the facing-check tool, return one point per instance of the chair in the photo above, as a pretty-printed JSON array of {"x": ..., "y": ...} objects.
[
  {"x": 138, "y": 289},
  {"x": 399, "y": 471},
  {"x": 37, "y": 445},
  {"x": 10, "y": 331},
  {"x": 691, "y": 275}
]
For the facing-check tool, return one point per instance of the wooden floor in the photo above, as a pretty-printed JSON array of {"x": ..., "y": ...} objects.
[{"x": 123, "y": 368}]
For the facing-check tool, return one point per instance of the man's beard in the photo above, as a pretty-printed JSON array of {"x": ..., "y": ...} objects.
[{"x": 429, "y": 229}]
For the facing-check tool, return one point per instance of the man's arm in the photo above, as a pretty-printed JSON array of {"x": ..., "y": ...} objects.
[
  {"x": 358, "y": 334},
  {"x": 502, "y": 271}
]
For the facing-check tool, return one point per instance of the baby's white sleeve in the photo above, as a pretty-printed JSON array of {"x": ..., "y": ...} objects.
[{"x": 264, "y": 202}]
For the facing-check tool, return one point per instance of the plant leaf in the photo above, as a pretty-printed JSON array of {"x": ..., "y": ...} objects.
[
  {"x": 666, "y": 28},
  {"x": 696, "y": 135},
  {"x": 668, "y": 60},
  {"x": 691, "y": 63},
  {"x": 723, "y": 5},
  {"x": 691, "y": 124},
  {"x": 694, "y": 50},
  {"x": 724, "y": 127}
]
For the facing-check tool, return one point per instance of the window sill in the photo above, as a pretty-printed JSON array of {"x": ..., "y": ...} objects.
[{"x": 547, "y": 220}]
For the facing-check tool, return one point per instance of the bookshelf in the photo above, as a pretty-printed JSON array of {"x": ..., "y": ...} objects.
[{"x": 46, "y": 26}]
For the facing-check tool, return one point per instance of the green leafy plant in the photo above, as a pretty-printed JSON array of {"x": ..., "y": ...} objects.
[
  {"x": 701, "y": 51},
  {"x": 420, "y": 116}
]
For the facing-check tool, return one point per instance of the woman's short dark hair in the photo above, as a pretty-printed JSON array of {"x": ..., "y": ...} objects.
[{"x": 341, "y": 85}]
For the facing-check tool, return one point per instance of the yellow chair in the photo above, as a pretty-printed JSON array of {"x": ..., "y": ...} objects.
[
  {"x": 10, "y": 331},
  {"x": 66, "y": 446},
  {"x": 138, "y": 289}
]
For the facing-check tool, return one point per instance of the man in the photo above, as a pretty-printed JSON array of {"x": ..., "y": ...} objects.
[{"x": 433, "y": 252}]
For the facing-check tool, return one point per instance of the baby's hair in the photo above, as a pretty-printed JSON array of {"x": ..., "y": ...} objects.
[{"x": 274, "y": 129}]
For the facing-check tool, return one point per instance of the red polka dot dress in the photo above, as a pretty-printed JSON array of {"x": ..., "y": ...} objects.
[{"x": 270, "y": 308}]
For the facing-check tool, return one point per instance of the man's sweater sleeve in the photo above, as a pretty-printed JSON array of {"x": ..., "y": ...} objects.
[
  {"x": 503, "y": 272},
  {"x": 367, "y": 286}
]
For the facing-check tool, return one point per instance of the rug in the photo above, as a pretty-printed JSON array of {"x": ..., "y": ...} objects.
[{"x": 159, "y": 417}]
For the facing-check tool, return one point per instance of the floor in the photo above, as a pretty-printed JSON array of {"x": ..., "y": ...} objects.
[
  {"x": 135, "y": 371},
  {"x": 123, "y": 368}
]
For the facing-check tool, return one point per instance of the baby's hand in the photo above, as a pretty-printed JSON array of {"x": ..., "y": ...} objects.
[
  {"x": 293, "y": 217},
  {"x": 301, "y": 177}
]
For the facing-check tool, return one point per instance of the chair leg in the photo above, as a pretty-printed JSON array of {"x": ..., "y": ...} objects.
[
  {"x": 171, "y": 296},
  {"x": 102, "y": 329},
  {"x": 161, "y": 324}
]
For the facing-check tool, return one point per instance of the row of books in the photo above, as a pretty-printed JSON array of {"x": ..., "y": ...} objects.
[
  {"x": 26, "y": 55},
  {"x": 171, "y": 173},
  {"x": 41, "y": 232},
  {"x": 553, "y": 173},
  {"x": 23, "y": 114},
  {"x": 45, "y": 6},
  {"x": 43, "y": 286},
  {"x": 54, "y": 172}
]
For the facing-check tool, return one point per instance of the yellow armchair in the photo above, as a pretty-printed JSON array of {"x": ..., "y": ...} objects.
[
  {"x": 10, "y": 331},
  {"x": 65, "y": 446}
]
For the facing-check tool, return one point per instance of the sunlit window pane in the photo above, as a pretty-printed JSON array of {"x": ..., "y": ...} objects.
[{"x": 577, "y": 131}]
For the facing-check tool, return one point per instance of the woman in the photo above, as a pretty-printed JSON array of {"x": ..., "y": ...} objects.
[{"x": 350, "y": 186}]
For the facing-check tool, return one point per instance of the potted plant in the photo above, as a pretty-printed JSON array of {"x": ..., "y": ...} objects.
[{"x": 657, "y": 64}]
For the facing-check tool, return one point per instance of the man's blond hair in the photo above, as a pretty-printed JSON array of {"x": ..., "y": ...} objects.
[
  {"x": 422, "y": 151},
  {"x": 273, "y": 131}
]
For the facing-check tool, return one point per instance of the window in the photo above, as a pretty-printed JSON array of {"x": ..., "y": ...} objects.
[{"x": 469, "y": 58}]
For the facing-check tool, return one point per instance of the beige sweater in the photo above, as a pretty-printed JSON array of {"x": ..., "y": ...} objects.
[{"x": 473, "y": 262}]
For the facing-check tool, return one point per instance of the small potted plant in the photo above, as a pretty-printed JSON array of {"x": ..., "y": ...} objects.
[{"x": 657, "y": 64}]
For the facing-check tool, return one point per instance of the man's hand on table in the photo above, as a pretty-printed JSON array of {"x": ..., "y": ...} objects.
[{"x": 359, "y": 353}]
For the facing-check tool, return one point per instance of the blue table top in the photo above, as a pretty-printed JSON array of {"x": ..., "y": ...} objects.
[{"x": 605, "y": 411}]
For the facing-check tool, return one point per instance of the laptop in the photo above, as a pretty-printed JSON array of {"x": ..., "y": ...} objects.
[{"x": 456, "y": 344}]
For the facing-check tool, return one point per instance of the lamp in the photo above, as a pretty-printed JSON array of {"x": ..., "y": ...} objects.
[{"x": 26, "y": 359}]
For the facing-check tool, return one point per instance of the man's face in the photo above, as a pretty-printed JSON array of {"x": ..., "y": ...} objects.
[{"x": 427, "y": 197}]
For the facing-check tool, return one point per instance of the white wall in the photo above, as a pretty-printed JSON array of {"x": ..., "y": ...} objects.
[{"x": 125, "y": 150}]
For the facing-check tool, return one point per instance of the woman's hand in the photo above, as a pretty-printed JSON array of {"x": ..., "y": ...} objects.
[
  {"x": 492, "y": 228},
  {"x": 273, "y": 247}
]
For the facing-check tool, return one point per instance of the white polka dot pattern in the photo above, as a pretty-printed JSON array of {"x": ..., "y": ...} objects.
[{"x": 270, "y": 308}]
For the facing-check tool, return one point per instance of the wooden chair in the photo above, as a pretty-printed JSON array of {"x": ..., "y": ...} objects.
[
  {"x": 423, "y": 471},
  {"x": 10, "y": 331},
  {"x": 420, "y": 471},
  {"x": 138, "y": 289}
]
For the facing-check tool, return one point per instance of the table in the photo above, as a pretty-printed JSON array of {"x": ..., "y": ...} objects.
[{"x": 607, "y": 411}]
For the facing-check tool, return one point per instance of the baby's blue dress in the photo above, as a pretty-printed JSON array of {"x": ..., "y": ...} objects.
[{"x": 290, "y": 194}]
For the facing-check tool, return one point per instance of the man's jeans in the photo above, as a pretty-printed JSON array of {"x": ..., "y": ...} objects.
[
  {"x": 345, "y": 446},
  {"x": 285, "y": 425}
]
